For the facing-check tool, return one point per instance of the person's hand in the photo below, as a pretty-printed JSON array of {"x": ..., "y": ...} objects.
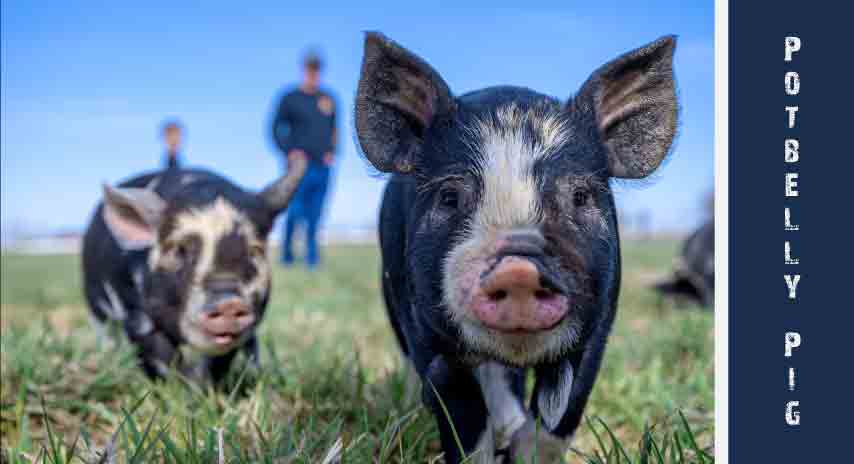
[
  {"x": 328, "y": 158},
  {"x": 296, "y": 153}
]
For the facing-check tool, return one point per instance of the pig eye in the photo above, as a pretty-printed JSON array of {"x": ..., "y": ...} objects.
[
  {"x": 182, "y": 251},
  {"x": 580, "y": 197},
  {"x": 449, "y": 198}
]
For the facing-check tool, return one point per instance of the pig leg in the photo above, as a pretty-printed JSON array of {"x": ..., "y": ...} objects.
[
  {"x": 504, "y": 391},
  {"x": 250, "y": 348},
  {"x": 560, "y": 394},
  {"x": 541, "y": 438},
  {"x": 156, "y": 353},
  {"x": 532, "y": 444},
  {"x": 459, "y": 392},
  {"x": 412, "y": 383},
  {"x": 217, "y": 366},
  {"x": 516, "y": 435}
]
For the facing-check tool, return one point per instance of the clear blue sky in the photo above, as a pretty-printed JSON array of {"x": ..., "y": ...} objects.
[{"x": 86, "y": 86}]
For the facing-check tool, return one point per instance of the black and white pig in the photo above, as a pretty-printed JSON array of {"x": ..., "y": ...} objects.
[
  {"x": 500, "y": 250},
  {"x": 178, "y": 257}
]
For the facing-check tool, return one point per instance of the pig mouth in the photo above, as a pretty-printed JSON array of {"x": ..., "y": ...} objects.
[
  {"x": 220, "y": 324},
  {"x": 226, "y": 334},
  {"x": 223, "y": 339},
  {"x": 214, "y": 341}
]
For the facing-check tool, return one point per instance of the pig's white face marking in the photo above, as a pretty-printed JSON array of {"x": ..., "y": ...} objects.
[
  {"x": 210, "y": 224},
  {"x": 506, "y": 147}
]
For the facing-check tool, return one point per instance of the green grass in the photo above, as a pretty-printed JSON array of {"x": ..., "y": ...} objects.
[{"x": 330, "y": 386}]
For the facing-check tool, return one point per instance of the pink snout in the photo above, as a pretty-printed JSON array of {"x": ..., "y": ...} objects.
[
  {"x": 227, "y": 321},
  {"x": 511, "y": 299}
]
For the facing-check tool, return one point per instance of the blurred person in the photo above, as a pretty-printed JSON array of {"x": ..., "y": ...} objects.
[
  {"x": 304, "y": 125},
  {"x": 172, "y": 137}
]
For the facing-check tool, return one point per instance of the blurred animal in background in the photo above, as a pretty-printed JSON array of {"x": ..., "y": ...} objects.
[
  {"x": 179, "y": 257},
  {"x": 498, "y": 231},
  {"x": 693, "y": 277}
]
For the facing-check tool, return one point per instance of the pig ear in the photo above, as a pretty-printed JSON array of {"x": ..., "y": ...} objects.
[
  {"x": 399, "y": 97},
  {"x": 279, "y": 194},
  {"x": 634, "y": 101},
  {"x": 132, "y": 216}
]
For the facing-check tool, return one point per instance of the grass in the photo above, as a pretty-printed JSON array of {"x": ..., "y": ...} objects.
[{"x": 330, "y": 388}]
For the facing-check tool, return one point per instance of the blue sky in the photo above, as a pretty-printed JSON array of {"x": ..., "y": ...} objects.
[{"x": 86, "y": 86}]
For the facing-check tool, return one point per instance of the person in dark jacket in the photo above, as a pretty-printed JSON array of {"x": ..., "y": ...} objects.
[
  {"x": 172, "y": 134},
  {"x": 304, "y": 125}
]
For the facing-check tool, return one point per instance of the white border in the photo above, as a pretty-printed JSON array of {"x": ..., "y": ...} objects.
[{"x": 721, "y": 231}]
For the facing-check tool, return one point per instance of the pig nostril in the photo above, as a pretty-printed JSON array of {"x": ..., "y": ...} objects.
[{"x": 498, "y": 295}]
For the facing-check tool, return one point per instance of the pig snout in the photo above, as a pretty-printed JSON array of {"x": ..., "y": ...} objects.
[
  {"x": 515, "y": 296},
  {"x": 226, "y": 319}
]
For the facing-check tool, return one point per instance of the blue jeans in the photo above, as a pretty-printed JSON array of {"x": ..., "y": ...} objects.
[{"x": 306, "y": 206}]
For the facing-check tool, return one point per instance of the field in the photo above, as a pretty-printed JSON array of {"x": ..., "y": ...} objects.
[{"x": 330, "y": 388}]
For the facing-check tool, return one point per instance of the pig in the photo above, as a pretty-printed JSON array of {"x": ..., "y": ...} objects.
[
  {"x": 178, "y": 258},
  {"x": 694, "y": 269},
  {"x": 499, "y": 238}
]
